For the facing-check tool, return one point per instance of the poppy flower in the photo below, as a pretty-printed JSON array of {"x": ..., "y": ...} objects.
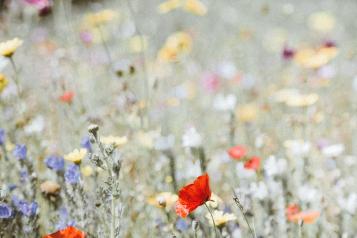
[
  {"x": 292, "y": 209},
  {"x": 69, "y": 232},
  {"x": 237, "y": 152},
  {"x": 67, "y": 97},
  {"x": 253, "y": 163},
  {"x": 193, "y": 196},
  {"x": 308, "y": 217}
]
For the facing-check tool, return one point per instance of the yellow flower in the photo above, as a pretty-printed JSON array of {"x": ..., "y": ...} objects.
[
  {"x": 311, "y": 58},
  {"x": 9, "y": 146},
  {"x": 302, "y": 100},
  {"x": 3, "y": 82},
  {"x": 220, "y": 218},
  {"x": 173, "y": 102},
  {"x": 114, "y": 140},
  {"x": 177, "y": 44},
  {"x": 76, "y": 156},
  {"x": 247, "y": 112},
  {"x": 100, "y": 18},
  {"x": 192, "y": 6},
  {"x": 9, "y": 47},
  {"x": 195, "y": 7},
  {"x": 322, "y": 21},
  {"x": 138, "y": 44},
  {"x": 87, "y": 171},
  {"x": 163, "y": 200},
  {"x": 169, "y": 5}
]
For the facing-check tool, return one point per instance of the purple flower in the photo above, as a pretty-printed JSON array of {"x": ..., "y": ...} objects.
[
  {"x": 85, "y": 143},
  {"x": 5, "y": 211},
  {"x": 55, "y": 163},
  {"x": 20, "y": 152},
  {"x": 86, "y": 37},
  {"x": 2, "y": 136},
  {"x": 26, "y": 208},
  {"x": 182, "y": 225},
  {"x": 72, "y": 174}
]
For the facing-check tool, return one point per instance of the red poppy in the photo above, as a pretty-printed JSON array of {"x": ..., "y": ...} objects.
[
  {"x": 308, "y": 217},
  {"x": 67, "y": 97},
  {"x": 237, "y": 152},
  {"x": 193, "y": 196},
  {"x": 253, "y": 163},
  {"x": 69, "y": 232},
  {"x": 294, "y": 214},
  {"x": 292, "y": 209}
]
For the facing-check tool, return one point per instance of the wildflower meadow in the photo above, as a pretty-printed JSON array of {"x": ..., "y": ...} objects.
[{"x": 178, "y": 118}]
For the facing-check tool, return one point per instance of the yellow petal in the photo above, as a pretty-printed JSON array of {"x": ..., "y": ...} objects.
[{"x": 195, "y": 7}]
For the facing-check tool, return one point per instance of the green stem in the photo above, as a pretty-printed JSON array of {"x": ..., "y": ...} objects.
[
  {"x": 16, "y": 78},
  {"x": 214, "y": 224},
  {"x": 112, "y": 227},
  {"x": 240, "y": 206}
]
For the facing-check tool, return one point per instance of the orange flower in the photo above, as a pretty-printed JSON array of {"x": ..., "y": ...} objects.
[
  {"x": 67, "y": 97},
  {"x": 308, "y": 217},
  {"x": 193, "y": 195},
  {"x": 253, "y": 163},
  {"x": 69, "y": 232},
  {"x": 237, "y": 152}
]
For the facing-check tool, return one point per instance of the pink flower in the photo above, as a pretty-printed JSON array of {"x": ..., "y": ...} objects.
[{"x": 210, "y": 82}]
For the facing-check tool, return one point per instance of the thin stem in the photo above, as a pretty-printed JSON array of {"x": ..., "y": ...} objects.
[
  {"x": 112, "y": 227},
  {"x": 214, "y": 224},
  {"x": 202, "y": 158},
  {"x": 172, "y": 161},
  {"x": 143, "y": 55},
  {"x": 16, "y": 78},
  {"x": 105, "y": 45},
  {"x": 240, "y": 206},
  {"x": 232, "y": 128}
]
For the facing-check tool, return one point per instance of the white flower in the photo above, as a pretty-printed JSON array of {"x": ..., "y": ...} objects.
[
  {"x": 164, "y": 142},
  {"x": 327, "y": 72},
  {"x": 227, "y": 70},
  {"x": 259, "y": 190},
  {"x": 297, "y": 147},
  {"x": 220, "y": 218},
  {"x": 244, "y": 173},
  {"x": 35, "y": 126},
  {"x": 273, "y": 166},
  {"x": 307, "y": 193},
  {"x": 349, "y": 204},
  {"x": 191, "y": 138},
  {"x": 333, "y": 150},
  {"x": 224, "y": 103}
]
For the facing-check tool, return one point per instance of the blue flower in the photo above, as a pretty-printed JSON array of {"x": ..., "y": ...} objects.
[
  {"x": 23, "y": 175},
  {"x": 5, "y": 211},
  {"x": 64, "y": 219},
  {"x": 85, "y": 143},
  {"x": 55, "y": 163},
  {"x": 11, "y": 187},
  {"x": 26, "y": 208},
  {"x": 2, "y": 136},
  {"x": 72, "y": 174},
  {"x": 182, "y": 225},
  {"x": 20, "y": 152}
]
